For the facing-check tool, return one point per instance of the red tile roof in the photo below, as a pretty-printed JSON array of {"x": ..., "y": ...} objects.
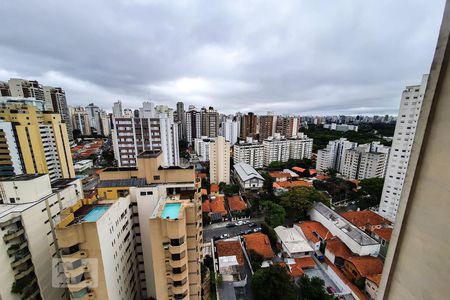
[
  {"x": 312, "y": 171},
  {"x": 309, "y": 227},
  {"x": 322, "y": 177},
  {"x": 204, "y": 191},
  {"x": 291, "y": 184},
  {"x": 375, "y": 278},
  {"x": 298, "y": 169},
  {"x": 345, "y": 280},
  {"x": 278, "y": 174},
  {"x": 305, "y": 262},
  {"x": 217, "y": 206},
  {"x": 230, "y": 248},
  {"x": 202, "y": 175},
  {"x": 214, "y": 188},
  {"x": 384, "y": 233},
  {"x": 338, "y": 248},
  {"x": 366, "y": 265},
  {"x": 236, "y": 203},
  {"x": 259, "y": 242},
  {"x": 365, "y": 217},
  {"x": 206, "y": 206}
]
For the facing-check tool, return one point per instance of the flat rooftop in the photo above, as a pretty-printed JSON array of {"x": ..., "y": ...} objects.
[
  {"x": 62, "y": 183},
  {"x": 137, "y": 182},
  {"x": 150, "y": 154},
  {"x": 23, "y": 177},
  {"x": 115, "y": 169},
  {"x": 345, "y": 226},
  {"x": 89, "y": 213}
]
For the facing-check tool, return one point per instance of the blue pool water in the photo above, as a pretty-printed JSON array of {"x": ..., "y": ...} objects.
[
  {"x": 95, "y": 213},
  {"x": 171, "y": 211}
]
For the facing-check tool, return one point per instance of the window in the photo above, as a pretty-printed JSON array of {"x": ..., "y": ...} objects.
[
  {"x": 156, "y": 177},
  {"x": 12, "y": 200},
  {"x": 143, "y": 193}
]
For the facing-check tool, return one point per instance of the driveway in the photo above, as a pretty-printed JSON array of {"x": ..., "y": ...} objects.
[{"x": 217, "y": 229}]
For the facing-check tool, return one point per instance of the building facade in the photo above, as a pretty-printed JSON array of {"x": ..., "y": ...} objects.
[
  {"x": 405, "y": 130},
  {"x": 55, "y": 100},
  {"x": 193, "y": 124},
  {"x": 210, "y": 122},
  {"x": 219, "y": 158},
  {"x": 249, "y": 152},
  {"x": 81, "y": 120},
  {"x": 276, "y": 149}
]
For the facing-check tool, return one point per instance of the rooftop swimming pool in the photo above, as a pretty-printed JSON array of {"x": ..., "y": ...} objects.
[
  {"x": 95, "y": 213},
  {"x": 171, "y": 211}
]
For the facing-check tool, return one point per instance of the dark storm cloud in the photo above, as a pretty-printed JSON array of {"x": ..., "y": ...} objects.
[{"x": 320, "y": 57}]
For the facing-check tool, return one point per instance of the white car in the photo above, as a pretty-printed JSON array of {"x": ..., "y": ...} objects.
[{"x": 240, "y": 223}]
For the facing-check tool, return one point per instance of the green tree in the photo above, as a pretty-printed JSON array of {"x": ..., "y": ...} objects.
[
  {"x": 275, "y": 214},
  {"x": 267, "y": 230},
  {"x": 273, "y": 282},
  {"x": 372, "y": 187},
  {"x": 299, "y": 200},
  {"x": 312, "y": 289},
  {"x": 268, "y": 184},
  {"x": 230, "y": 189},
  {"x": 256, "y": 260}
]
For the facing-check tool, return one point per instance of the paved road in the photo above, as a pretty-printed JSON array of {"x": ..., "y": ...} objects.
[{"x": 217, "y": 229}]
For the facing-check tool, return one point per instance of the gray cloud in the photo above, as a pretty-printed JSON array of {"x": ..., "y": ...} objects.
[{"x": 294, "y": 56}]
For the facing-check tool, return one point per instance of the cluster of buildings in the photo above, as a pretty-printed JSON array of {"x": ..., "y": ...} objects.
[
  {"x": 354, "y": 161},
  {"x": 219, "y": 207},
  {"x": 349, "y": 120},
  {"x": 341, "y": 127},
  {"x": 139, "y": 237},
  {"x": 90, "y": 119}
]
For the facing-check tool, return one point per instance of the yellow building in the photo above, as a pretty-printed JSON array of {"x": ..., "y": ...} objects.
[
  {"x": 42, "y": 140},
  {"x": 167, "y": 223}
]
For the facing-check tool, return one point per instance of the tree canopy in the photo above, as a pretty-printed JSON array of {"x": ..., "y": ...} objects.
[
  {"x": 275, "y": 214},
  {"x": 273, "y": 282},
  {"x": 299, "y": 200},
  {"x": 312, "y": 289}
]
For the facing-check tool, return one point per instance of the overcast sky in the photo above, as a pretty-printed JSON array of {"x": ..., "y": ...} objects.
[{"x": 305, "y": 57}]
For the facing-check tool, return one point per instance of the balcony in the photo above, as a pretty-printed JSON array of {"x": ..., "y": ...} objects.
[
  {"x": 12, "y": 234},
  {"x": 180, "y": 276},
  {"x": 71, "y": 257},
  {"x": 17, "y": 247},
  {"x": 31, "y": 294},
  {"x": 77, "y": 271},
  {"x": 84, "y": 294},
  {"x": 83, "y": 284},
  {"x": 20, "y": 259},
  {"x": 22, "y": 273},
  {"x": 10, "y": 221}
]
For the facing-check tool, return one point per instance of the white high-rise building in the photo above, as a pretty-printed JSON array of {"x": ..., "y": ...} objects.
[
  {"x": 30, "y": 207},
  {"x": 94, "y": 116},
  {"x": 230, "y": 130},
  {"x": 300, "y": 147},
  {"x": 147, "y": 110},
  {"x": 333, "y": 154},
  {"x": 249, "y": 152},
  {"x": 117, "y": 109},
  {"x": 201, "y": 147},
  {"x": 276, "y": 148},
  {"x": 219, "y": 158},
  {"x": 405, "y": 129}
]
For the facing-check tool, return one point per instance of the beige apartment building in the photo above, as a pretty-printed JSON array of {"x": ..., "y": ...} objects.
[
  {"x": 30, "y": 207},
  {"x": 167, "y": 222},
  {"x": 219, "y": 161}
]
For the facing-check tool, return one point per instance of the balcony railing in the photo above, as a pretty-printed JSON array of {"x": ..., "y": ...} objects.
[
  {"x": 21, "y": 274},
  {"x": 83, "y": 294},
  {"x": 17, "y": 247},
  {"x": 12, "y": 234},
  {"x": 20, "y": 259},
  {"x": 80, "y": 254},
  {"x": 74, "y": 287}
]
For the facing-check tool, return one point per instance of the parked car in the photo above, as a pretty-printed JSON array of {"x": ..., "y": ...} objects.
[
  {"x": 246, "y": 222},
  {"x": 331, "y": 290},
  {"x": 257, "y": 229},
  {"x": 239, "y": 223},
  {"x": 251, "y": 224},
  {"x": 224, "y": 236},
  {"x": 229, "y": 225},
  {"x": 248, "y": 231}
]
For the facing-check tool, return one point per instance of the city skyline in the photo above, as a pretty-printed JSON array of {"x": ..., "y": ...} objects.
[{"x": 259, "y": 59}]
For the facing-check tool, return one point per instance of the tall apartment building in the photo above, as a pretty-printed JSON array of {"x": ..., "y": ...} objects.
[
  {"x": 201, "y": 147},
  {"x": 167, "y": 224},
  {"x": 117, "y": 109},
  {"x": 105, "y": 123},
  {"x": 210, "y": 122},
  {"x": 131, "y": 136},
  {"x": 276, "y": 148},
  {"x": 181, "y": 120},
  {"x": 300, "y": 147},
  {"x": 81, "y": 120},
  {"x": 287, "y": 126},
  {"x": 147, "y": 110},
  {"x": 249, "y": 125},
  {"x": 22, "y": 88},
  {"x": 332, "y": 156},
  {"x": 193, "y": 124},
  {"x": 219, "y": 161},
  {"x": 267, "y": 126},
  {"x": 93, "y": 112},
  {"x": 41, "y": 140},
  {"x": 405, "y": 130},
  {"x": 55, "y": 100},
  {"x": 230, "y": 130},
  {"x": 249, "y": 152},
  {"x": 362, "y": 162},
  {"x": 30, "y": 208},
  {"x": 97, "y": 249},
  {"x": 10, "y": 162}
]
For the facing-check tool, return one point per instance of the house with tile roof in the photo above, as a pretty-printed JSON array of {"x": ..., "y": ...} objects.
[
  {"x": 231, "y": 260},
  {"x": 279, "y": 176},
  {"x": 357, "y": 267},
  {"x": 372, "y": 284},
  {"x": 284, "y": 186},
  {"x": 292, "y": 242},
  {"x": 366, "y": 220},
  {"x": 217, "y": 207},
  {"x": 260, "y": 244},
  {"x": 247, "y": 177},
  {"x": 383, "y": 235},
  {"x": 236, "y": 203},
  {"x": 336, "y": 251},
  {"x": 314, "y": 232},
  {"x": 214, "y": 189}
]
